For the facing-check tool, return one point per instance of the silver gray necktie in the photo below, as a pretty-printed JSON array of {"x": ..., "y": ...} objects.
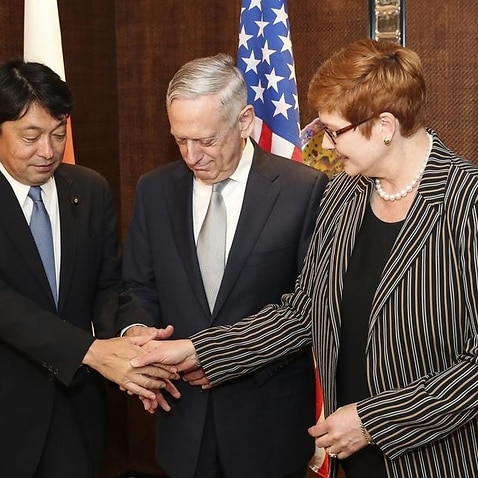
[
  {"x": 40, "y": 227},
  {"x": 211, "y": 247}
]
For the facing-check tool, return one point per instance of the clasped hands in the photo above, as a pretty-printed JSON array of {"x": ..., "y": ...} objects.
[{"x": 157, "y": 363}]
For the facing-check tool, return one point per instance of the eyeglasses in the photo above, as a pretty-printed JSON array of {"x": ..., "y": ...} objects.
[{"x": 332, "y": 135}]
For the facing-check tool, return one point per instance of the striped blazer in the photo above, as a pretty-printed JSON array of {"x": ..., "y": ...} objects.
[{"x": 422, "y": 347}]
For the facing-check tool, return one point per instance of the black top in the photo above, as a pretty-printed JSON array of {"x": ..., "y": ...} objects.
[{"x": 371, "y": 252}]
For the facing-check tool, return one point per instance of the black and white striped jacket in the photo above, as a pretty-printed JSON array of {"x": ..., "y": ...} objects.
[{"x": 422, "y": 347}]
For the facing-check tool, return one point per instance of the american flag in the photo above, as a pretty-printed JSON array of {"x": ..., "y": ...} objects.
[{"x": 266, "y": 60}]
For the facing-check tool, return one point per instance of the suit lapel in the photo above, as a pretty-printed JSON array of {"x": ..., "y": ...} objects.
[
  {"x": 68, "y": 202},
  {"x": 12, "y": 220},
  {"x": 179, "y": 207},
  {"x": 260, "y": 196},
  {"x": 421, "y": 219}
]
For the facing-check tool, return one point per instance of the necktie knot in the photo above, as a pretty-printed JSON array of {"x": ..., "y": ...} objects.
[
  {"x": 35, "y": 193},
  {"x": 218, "y": 187}
]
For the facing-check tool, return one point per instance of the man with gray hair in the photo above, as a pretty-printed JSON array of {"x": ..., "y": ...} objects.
[{"x": 259, "y": 211}]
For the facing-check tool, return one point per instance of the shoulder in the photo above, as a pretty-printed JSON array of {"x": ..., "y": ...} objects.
[
  {"x": 461, "y": 190},
  {"x": 76, "y": 174},
  {"x": 456, "y": 176},
  {"x": 291, "y": 171},
  {"x": 164, "y": 173}
]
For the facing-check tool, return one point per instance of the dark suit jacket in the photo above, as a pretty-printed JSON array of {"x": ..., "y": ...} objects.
[
  {"x": 261, "y": 419},
  {"x": 41, "y": 348}
]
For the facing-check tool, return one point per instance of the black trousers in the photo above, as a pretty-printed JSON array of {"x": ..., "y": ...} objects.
[
  {"x": 65, "y": 453},
  {"x": 209, "y": 464}
]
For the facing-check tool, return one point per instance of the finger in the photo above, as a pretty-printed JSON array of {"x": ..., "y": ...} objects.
[
  {"x": 149, "y": 405},
  {"x": 165, "y": 372},
  {"x": 135, "y": 389},
  {"x": 166, "y": 333},
  {"x": 202, "y": 383},
  {"x": 144, "y": 360},
  {"x": 195, "y": 374},
  {"x": 150, "y": 383},
  {"x": 331, "y": 453},
  {"x": 318, "y": 430},
  {"x": 137, "y": 331},
  {"x": 162, "y": 402},
  {"x": 172, "y": 390},
  {"x": 140, "y": 340},
  {"x": 137, "y": 383},
  {"x": 187, "y": 365}
]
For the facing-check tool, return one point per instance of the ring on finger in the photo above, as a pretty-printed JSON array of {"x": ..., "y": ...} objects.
[{"x": 332, "y": 455}]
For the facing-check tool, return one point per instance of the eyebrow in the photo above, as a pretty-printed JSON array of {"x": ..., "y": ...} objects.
[{"x": 35, "y": 127}]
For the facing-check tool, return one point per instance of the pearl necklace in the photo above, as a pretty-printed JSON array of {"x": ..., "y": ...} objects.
[{"x": 409, "y": 187}]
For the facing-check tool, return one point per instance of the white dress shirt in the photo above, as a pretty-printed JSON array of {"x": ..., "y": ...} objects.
[{"x": 233, "y": 195}]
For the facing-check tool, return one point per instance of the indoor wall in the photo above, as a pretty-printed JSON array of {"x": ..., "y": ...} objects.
[{"x": 120, "y": 54}]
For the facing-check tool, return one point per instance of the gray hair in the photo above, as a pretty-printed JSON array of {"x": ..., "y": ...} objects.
[{"x": 212, "y": 75}]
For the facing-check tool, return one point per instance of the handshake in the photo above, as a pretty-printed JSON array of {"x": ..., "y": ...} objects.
[{"x": 145, "y": 363}]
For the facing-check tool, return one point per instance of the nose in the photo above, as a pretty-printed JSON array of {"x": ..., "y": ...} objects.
[
  {"x": 45, "y": 147},
  {"x": 327, "y": 143},
  {"x": 192, "y": 152}
]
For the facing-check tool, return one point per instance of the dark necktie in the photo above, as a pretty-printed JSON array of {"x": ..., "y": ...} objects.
[
  {"x": 40, "y": 227},
  {"x": 211, "y": 247}
]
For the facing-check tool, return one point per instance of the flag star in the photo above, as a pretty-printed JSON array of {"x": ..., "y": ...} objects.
[
  {"x": 266, "y": 53},
  {"x": 259, "y": 91},
  {"x": 255, "y": 3},
  {"x": 287, "y": 44},
  {"x": 281, "y": 106},
  {"x": 251, "y": 63},
  {"x": 273, "y": 79},
  {"x": 292, "y": 72},
  {"x": 281, "y": 15},
  {"x": 244, "y": 38},
  {"x": 270, "y": 75},
  {"x": 261, "y": 24}
]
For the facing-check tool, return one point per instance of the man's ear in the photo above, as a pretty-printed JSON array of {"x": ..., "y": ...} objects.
[{"x": 246, "y": 121}]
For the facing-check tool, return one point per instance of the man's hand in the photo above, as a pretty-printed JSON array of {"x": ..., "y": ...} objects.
[
  {"x": 180, "y": 353},
  {"x": 151, "y": 405},
  {"x": 112, "y": 358},
  {"x": 153, "y": 332}
]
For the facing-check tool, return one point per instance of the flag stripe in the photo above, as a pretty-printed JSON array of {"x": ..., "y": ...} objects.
[
  {"x": 266, "y": 60},
  {"x": 267, "y": 63}
]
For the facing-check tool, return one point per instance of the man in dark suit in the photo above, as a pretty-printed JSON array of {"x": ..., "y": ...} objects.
[
  {"x": 255, "y": 426},
  {"x": 52, "y": 416}
]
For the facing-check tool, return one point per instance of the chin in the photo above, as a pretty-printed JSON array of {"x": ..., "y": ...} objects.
[{"x": 351, "y": 170}]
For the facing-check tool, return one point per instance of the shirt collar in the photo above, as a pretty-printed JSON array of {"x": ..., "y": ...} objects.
[
  {"x": 241, "y": 173},
  {"x": 21, "y": 190}
]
